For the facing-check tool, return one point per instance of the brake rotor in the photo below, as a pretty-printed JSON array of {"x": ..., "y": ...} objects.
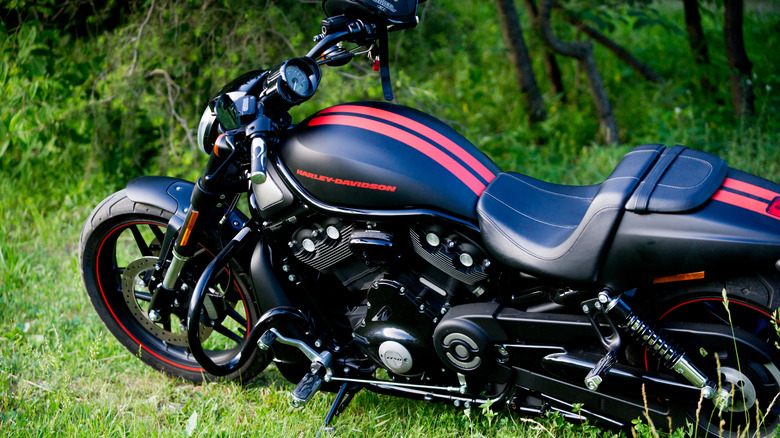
[{"x": 134, "y": 280}]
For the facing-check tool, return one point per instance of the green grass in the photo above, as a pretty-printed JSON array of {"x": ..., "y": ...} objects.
[{"x": 75, "y": 127}]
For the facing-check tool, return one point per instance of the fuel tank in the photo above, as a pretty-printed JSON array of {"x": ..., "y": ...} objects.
[{"x": 380, "y": 156}]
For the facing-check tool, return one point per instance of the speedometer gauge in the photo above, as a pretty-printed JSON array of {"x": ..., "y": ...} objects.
[
  {"x": 297, "y": 80},
  {"x": 288, "y": 85}
]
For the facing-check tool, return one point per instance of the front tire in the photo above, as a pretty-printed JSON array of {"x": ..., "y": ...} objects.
[{"x": 118, "y": 250}]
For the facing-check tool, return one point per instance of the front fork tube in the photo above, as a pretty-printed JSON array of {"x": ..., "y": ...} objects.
[
  {"x": 205, "y": 198},
  {"x": 187, "y": 243}
]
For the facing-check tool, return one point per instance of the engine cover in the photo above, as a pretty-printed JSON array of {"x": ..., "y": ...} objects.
[
  {"x": 465, "y": 337},
  {"x": 397, "y": 328}
]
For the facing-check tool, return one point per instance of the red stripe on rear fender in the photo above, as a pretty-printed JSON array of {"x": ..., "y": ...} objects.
[
  {"x": 740, "y": 201},
  {"x": 421, "y": 129},
  {"x": 750, "y": 189},
  {"x": 408, "y": 139}
]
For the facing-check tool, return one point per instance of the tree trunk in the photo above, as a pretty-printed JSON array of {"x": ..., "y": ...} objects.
[
  {"x": 550, "y": 63},
  {"x": 583, "y": 52},
  {"x": 739, "y": 65},
  {"x": 518, "y": 53},
  {"x": 696, "y": 40},
  {"x": 621, "y": 53}
]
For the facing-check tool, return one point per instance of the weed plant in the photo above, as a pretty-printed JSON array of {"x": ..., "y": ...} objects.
[{"x": 83, "y": 114}]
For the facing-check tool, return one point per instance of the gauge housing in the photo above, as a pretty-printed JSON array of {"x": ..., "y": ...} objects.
[{"x": 292, "y": 83}]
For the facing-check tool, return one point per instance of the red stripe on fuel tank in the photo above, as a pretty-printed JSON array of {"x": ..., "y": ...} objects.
[
  {"x": 750, "y": 189},
  {"x": 408, "y": 139},
  {"x": 740, "y": 201},
  {"x": 419, "y": 128}
]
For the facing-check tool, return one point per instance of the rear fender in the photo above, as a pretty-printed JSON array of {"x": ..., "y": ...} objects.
[{"x": 731, "y": 232}]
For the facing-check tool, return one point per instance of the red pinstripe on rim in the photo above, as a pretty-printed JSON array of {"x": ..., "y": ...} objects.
[
  {"x": 699, "y": 300},
  {"x": 408, "y": 139},
  {"x": 103, "y": 294}
]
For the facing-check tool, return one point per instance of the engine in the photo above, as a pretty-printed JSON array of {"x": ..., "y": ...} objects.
[{"x": 399, "y": 283}]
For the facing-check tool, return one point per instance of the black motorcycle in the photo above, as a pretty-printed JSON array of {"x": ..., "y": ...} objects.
[{"x": 382, "y": 240}]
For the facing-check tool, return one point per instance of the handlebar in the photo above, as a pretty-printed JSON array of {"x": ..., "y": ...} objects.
[{"x": 337, "y": 29}]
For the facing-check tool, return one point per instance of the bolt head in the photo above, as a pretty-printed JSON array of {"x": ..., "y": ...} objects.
[
  {"x": 318, "y": 343},
  {"x": 466, "y": 260},
  {"x": 603, "y": 297},
  {"x": 332, "y": 232},
  {"x": 154, "y": 316},
  {"x": 585, "y": 308}
]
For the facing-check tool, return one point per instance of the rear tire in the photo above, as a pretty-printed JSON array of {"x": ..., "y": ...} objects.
[
  {"x": 118, "y": 248},
  {"x": 749, "y": 309}
]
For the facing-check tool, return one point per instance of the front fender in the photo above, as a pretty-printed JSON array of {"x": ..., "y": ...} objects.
[
  {"x": 173, "y": 195},
  {"x": 170, "y": 194}
]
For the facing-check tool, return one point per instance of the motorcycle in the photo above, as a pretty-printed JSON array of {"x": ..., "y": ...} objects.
[{"x": 383, "y": 251}]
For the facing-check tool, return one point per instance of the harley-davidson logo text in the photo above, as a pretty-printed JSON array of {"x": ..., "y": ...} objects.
[{"x": 346, "y": 182}]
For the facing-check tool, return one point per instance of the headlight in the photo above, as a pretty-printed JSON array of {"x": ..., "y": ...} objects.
[{"x": 207, "y": 131}]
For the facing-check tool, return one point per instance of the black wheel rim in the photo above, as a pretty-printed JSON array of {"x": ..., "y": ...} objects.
[
  {"x": 756, "y": 403},
  {"x": 135, "y": 239}
]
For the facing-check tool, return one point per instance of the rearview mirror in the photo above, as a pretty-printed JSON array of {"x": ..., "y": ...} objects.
[{"x": 227, "y": 113}]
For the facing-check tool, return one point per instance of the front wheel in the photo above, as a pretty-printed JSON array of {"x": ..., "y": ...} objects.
[
  {"x": 743, "y": 358},
  {"x": 119, "y": 248}
]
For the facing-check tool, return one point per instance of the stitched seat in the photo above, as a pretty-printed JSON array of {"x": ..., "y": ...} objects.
[{"x": 557, "y": 230}]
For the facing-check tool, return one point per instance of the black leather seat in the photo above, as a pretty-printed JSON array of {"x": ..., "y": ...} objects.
[
  {"x": 556, "y": 230},
  {"x": 681, "y": 180}
]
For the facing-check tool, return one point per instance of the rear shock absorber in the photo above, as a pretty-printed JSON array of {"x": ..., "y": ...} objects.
[{"x": 671, "y": 356}]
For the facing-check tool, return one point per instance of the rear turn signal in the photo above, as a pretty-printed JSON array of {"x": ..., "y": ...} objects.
[{"x": 774, "y": 207}]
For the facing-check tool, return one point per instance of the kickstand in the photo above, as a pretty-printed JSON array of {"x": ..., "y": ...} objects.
[{"x": 344, "y": 396}]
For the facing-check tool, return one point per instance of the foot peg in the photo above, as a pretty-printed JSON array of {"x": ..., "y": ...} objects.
[
  {"x": 309, "y": 385},
  {"x": 595, "y": 311},
  {"x": 597, "y": 374},
  {"x": 320, "y": 365}
]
